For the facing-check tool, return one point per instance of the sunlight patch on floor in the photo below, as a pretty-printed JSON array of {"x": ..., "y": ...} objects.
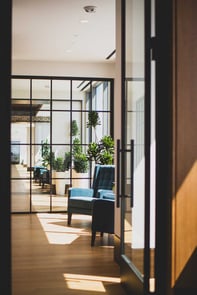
[
  {"x": 56, "y": 230},
  {"x": 87, "y": 282}
]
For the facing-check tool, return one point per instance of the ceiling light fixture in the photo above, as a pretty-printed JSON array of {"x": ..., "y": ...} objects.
[{"x": 90, "y": 9}]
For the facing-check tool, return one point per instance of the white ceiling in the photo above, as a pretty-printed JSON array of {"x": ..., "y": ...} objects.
[{"x": 50, "y": 30}]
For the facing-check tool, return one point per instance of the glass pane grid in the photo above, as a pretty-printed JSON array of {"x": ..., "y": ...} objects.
[{"x": 43, "y": 110}]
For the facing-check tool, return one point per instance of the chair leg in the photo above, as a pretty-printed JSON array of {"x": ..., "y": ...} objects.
[
  {"x": 93, "y": 238},
  {"x": 69, "y": 218}
]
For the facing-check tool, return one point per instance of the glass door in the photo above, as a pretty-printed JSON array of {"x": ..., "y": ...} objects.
[
  {"x": 132, "y": 148},
  {"x": 135, "y": 178}
]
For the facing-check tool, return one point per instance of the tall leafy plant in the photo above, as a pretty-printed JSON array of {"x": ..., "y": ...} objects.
[
  {"x": 80, "y": 159},
  {"x": 93, "y": 121},
  {"x": 74, "y": 128}
]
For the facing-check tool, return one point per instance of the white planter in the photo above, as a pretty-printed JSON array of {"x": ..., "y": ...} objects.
[
  {"x": 53, "y": 176},
  {"x": 80, "y": 181},
  {"x": 60, "y": 183}
]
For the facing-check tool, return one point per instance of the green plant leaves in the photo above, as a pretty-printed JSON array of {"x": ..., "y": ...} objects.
[{"x": 101, "y": 152}]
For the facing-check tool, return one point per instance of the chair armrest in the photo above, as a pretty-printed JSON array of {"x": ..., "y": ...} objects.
[
  {"x": 80, "y": 192},
  {"x": 109, "y": 196},
  {"x": 105, "y": 194}
]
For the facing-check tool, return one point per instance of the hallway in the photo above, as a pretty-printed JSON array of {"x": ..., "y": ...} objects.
[{"x": 49, "y": 258}]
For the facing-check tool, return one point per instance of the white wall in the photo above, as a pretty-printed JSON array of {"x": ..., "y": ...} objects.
[{"x": 47, "y": 68}]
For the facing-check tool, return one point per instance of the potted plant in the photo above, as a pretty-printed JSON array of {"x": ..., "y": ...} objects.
[
  {"x": 80, "y": 160},
  {"x": 80, "y": 165},
  {"x": 59, "y": 164},
  {"x": 106, "y": 153},
  {"x": 60, "y": 175},
  {"x": 74, "y": 128},
  {"x": 101, "y": 152},
  {"x": 93, "y": 121}
]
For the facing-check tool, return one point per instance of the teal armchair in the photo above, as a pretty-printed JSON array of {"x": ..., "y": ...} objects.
[{"x": 80, "y": 200}]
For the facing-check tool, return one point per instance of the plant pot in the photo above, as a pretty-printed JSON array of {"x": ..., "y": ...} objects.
[
  {"x": 60, "y": 182},
  {"x": 80, "y": 179}
]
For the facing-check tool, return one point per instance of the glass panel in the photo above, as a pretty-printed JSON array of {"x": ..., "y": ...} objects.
[
  {"x": 61, "y": 105},
  {"x": 40, "y": 190},
  {"x": 133, "y": 213},
  {"x": 60, "y": 127},
  {"x": 77, "y": 106},
  {"x": 59, "y": 203},
  {"x": 79, "y": 87},
  {"x": 41, "y": 89},
  {"x": 40, "y": 132},
  {"x": 40, "y": 106},
  {"x": 61, "y": 176},
  {"x": 20, "y": 177},
  {"x": 61, "y": 89},
  {"x": 106, "y": 96},
  {"x": 105, "y": 123},
  {"x": 40, "y": 203},
  {"x": 134, "y": 208},
  {"x": 20, "y": 190},
  {"x": 79, "y": 94},
  {"x": 20, "y": 136},
  {"x": 80, "y": 126},
  {"x": 42, "y": 112},
  {"x": 20, "y": 88},
  {"x": 101, "y": 96}
]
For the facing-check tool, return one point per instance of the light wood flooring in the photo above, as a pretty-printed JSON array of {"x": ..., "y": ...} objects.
[{"x": 49, "y": 258}]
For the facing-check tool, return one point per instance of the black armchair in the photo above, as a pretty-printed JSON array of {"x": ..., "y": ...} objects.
[
  {"x": 80, "y": 200},
  {"x": 103, "y": 216}
]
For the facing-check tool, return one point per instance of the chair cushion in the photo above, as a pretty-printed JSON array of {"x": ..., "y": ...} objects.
[{"x": 80, "y": 192}]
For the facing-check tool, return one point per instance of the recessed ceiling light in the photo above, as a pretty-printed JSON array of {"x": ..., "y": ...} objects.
[
  {"x": 83, "y": 21},
  {"x": 90, "y": 8}
]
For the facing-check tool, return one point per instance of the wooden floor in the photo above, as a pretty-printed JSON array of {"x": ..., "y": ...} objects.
[{"x": 49, "y": 258}]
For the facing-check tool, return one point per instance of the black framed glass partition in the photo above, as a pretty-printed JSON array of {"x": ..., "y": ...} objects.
[{"x": 49, "y": 119}]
